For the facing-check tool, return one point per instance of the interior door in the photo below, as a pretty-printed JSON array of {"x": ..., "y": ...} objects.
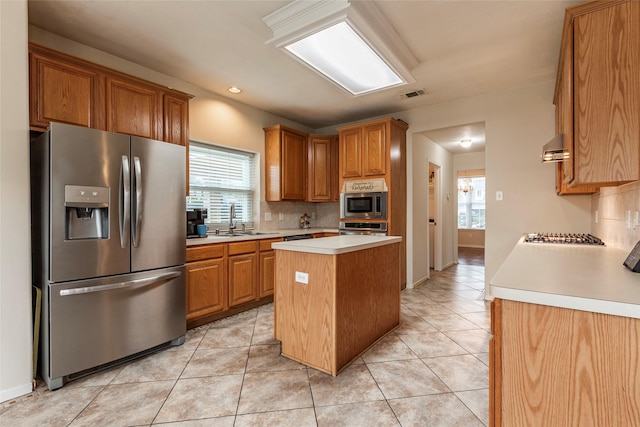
[{"x": 158, "y": 212}]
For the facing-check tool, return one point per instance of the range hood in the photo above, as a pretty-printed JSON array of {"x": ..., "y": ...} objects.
[{"x": 553, "y": 151}]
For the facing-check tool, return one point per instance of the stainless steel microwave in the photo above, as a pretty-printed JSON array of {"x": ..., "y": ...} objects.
[{"x": 364, "y": 205}]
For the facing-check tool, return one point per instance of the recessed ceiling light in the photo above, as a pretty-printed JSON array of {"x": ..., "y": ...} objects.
[
  {"x": 234, "y": 89},
  {"x": 323, "y": 35},
  {"x": 339, "y": 53},
  {"x": 465, "y": 143}
]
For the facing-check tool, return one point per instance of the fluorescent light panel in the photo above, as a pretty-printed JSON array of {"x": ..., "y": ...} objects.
[{"x": 339, "y": 53}]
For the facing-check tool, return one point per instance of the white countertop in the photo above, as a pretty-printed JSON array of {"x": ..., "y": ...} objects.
[
  {"x": 336, "y": 245},
  {"x": 580, "y": 277},
  {"x": 272, "y": 234}
]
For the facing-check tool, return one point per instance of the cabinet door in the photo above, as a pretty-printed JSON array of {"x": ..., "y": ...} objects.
[
  {"x": 350, "y": 153},
  {"x": 176, "y": 119},
  {"x": 319, "y": 171},
  {"x": 243, "y": 278},
  {"x": 335, "y": 169},
  {"x": 607, "y": 95},
  {"x": 294, "y": 166},
  {"x": 64, "y": 92},
  {"x": 133, "y": 108},
  {"x": 374, "y": 149},
  {"x": 267, "y": 273},
  {"x": 206, "y": 286}
]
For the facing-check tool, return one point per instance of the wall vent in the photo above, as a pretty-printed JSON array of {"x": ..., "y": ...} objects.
[{"x": 415, "y": 93}]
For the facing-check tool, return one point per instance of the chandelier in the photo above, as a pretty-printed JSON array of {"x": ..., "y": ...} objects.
[{"x": 465, "y": 185}]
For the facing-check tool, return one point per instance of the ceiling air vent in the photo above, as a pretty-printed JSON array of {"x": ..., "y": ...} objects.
[{"x": 415, "y": 93}]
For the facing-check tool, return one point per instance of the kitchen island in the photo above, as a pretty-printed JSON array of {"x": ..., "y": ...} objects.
[
  {"x": 565, "y": 348},
  {"x": 335, "y": 297}
]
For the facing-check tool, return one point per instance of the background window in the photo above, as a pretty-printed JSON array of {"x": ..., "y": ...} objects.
[
  {"x": 471, "y": 204},
  {"x": 218, "y": 177}
]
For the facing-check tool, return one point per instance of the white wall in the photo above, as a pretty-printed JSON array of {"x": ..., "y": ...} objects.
[
  {"x": 15, "y": 244},
  {"x": 467, "y": 161},
  {"x": 517, "y": 122},
  {"x": 423, "y": 151}
]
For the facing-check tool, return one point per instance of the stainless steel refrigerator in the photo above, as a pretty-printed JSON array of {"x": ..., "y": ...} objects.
[{"x": 108, "y": 238}]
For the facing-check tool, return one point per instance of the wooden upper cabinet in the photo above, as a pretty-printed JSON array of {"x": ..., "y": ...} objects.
[
  {"x": 351, "y": 153},
  {"x": 176, "y": 119},
  {"x": 374, "y": 150},
  {"x": 64, "y": 92},
  {"x": 66, "y": 89},
  {"x": 322, "y": 171},
  {"x": 601, "y": 42},
  {"x": 285, "y": 164},
  {"x": 133, "y": 109},
  {"x": 564, "y": 123},
  {"x": 363, "y": 151}
]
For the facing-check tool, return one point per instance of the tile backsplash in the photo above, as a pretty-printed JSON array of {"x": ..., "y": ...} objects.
[
  {"x": 323, "y": 215},
  {"x": 610, "y": 207}
]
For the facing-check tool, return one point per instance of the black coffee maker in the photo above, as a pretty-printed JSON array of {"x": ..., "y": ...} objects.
[{"x": 195, "y": 216}]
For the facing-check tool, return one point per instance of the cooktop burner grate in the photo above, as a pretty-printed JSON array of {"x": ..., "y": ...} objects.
[{"x": 563, "y": 238}]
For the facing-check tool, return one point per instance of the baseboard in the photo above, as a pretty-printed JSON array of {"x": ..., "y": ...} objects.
[
  {"x": 14, "y": 392},
  {"x": 447, "y": 265},
  {"x": 414, "y": 284}
]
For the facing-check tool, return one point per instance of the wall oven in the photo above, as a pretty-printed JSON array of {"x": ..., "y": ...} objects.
[{"x": 363, "y": 205}]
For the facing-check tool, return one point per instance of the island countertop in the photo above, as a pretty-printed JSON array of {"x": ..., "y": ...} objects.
[
  {"x": 580, "y": 277},
  {"x": 336, "y": 245}
]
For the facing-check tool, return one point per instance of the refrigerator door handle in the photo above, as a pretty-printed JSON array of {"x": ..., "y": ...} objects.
[
  {"x": 125, "y": 202},
  {"x": 137, "y": 209},
  {"x": 137, "y": 282}
]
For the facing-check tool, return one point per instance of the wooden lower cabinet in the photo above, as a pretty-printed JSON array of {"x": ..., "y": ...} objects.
[
  {"x": 206, "y": 288},
  {"x": 224, "y": 279},
  {"x": 551, "y": 366},
  {"x": 267, "y": 267},
  {"x": 242, "y": 279}
]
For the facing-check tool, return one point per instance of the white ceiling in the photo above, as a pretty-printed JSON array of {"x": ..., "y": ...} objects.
[{"x": 464, "y": 48}]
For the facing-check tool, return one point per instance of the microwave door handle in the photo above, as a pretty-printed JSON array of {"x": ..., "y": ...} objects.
[
  {"x": 125, "y": 202},
  {"x": 137, "y": 209}
]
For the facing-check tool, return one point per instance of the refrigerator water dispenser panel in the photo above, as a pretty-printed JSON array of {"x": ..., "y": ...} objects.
[{"x": 87, "y": 212}]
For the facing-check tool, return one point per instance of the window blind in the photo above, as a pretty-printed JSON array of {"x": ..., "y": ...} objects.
[{"x": 219, "y": 177}]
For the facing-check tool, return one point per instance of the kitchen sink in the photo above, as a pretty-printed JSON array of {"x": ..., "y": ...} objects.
[{"x": 244, "y": 233}]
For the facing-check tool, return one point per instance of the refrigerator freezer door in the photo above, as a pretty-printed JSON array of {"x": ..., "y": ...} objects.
[
  {"x": 97, "y": 321},
  {"x": 158, "y": 212},
  {"x": 85, "y": 167}
]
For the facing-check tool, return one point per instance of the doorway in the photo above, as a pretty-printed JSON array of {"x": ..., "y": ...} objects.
[
  {"x": 471, "y": 217},
  {"x": 434, "y": 217}
]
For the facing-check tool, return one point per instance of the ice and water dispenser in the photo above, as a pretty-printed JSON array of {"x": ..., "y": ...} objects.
[{"x": 87, "y": 212}]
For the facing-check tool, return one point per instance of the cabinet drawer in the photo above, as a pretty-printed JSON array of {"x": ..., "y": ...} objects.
[
  {"x": 265, "y": 245},
  {"x": 205, "y": 252},
  {"x": 242, "y": 247}
]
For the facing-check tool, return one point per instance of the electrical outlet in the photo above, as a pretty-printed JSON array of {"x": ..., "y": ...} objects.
[
  {"x": 267, "y": 216},
  {"x": 627, "y": 215},
  {"x": 499, "y": 195},
  {"x": 302, "y": 278},
  {"x": 280, "y": 216}
]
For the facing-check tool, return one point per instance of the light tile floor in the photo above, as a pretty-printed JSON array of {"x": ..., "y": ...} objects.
[{"x": 431, "y": 371}]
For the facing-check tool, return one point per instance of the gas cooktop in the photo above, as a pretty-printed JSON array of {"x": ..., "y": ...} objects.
[{"x": 563, "y": 238}]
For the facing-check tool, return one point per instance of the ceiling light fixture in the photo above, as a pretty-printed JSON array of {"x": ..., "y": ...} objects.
[
  {"x": 234, "y": 89},
  {"x": 465, "y": 143},
  {"x": 350, "y": 43}
]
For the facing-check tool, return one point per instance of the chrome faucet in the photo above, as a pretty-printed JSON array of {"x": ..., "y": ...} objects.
[{"x": 232, "y": 215}]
